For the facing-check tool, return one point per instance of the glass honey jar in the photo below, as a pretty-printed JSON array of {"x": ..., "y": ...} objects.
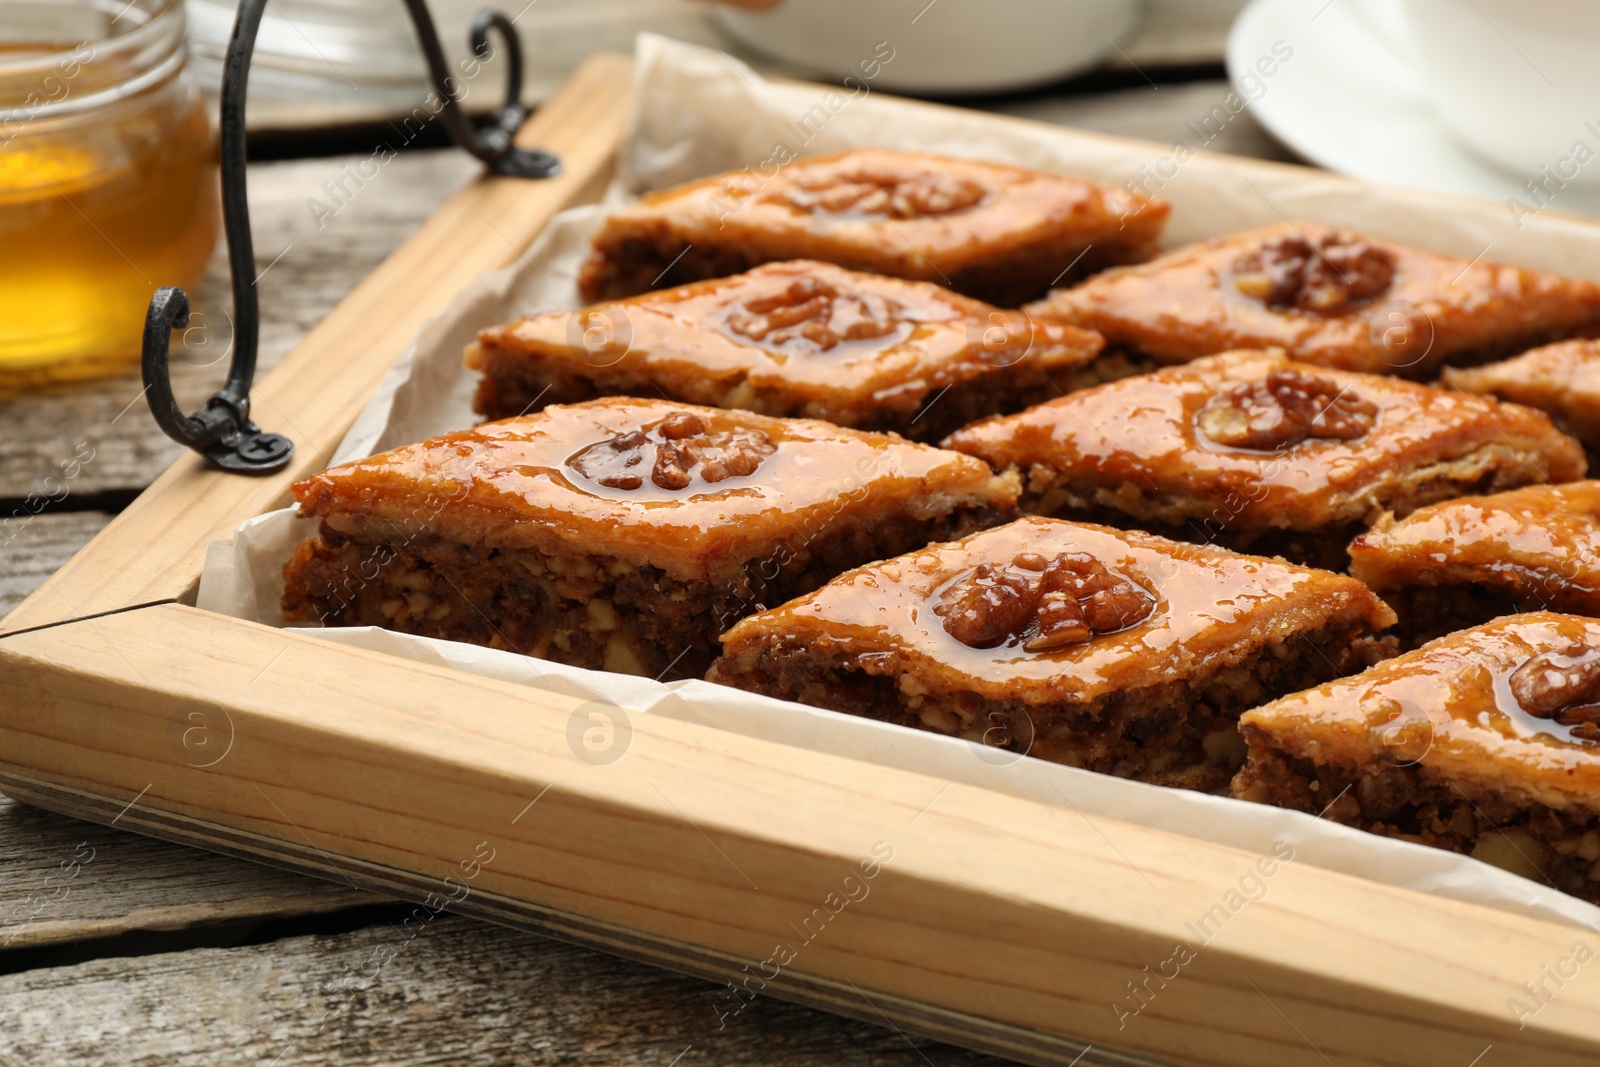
[{"x": 108, "y": 180}]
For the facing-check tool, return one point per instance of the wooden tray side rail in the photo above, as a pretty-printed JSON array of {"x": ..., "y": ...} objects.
[{"x": 788, "y": 872}]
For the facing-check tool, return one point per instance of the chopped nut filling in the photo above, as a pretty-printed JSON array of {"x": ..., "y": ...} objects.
[
  {"x": 1291, "y": 271},
  {"x": 888, "y": 195},
  {"x": 672, "y": 453},
  {"x": 1564, "y": 686},
  {"x": 813, "y": 312},
  {"x": 1045, "y": 604},
  {"x": 1282, "y": 410}
]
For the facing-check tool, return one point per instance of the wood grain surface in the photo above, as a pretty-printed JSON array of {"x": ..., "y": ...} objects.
[
  {"x": 68, "y": 881},
  {"x": 34, "y": 547},
  {"x": 460, "y": 992},
  {"x": 705, "y": 851}
]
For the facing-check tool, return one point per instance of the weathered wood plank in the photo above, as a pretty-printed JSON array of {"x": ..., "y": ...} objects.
[
  {"x": 62, "y": 880},
  {"x": 33, "y": 546},
  {"x": 459, "y": 992}
]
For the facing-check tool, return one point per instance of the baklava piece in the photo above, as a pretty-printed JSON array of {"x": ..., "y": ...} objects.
[
  {"x": 1561, "y": 379},
  {"x": 1000, "y": 234},
  {"x": 1463, "y": 562},
  {"x": 1330, "y": 297},
  {"x": 1485, "y": 742},
  {"x": 1261, "y": 454},
  {"x": 1119, "y": 652},
  {"x": 619, "y": 534},
  {"x": 798, "y": 338}
]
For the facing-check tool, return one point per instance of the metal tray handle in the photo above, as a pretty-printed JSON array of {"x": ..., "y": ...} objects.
[{"x": 224, "y": 431}]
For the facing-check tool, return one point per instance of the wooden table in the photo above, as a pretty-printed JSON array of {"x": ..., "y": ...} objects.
[{"x": 119, "y": 950}]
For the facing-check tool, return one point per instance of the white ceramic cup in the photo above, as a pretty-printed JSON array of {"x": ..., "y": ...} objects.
[
  {"x": 947, "y": 46},
  {"x": 1517, "y": 81}
]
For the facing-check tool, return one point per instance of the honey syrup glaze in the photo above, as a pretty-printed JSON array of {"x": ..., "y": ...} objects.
[
  {"x": 1395, "y": 309},
  {"x": 1461, "y": 701},
  {"x": 1207, "y": 607},
  {"x": 705, "y": 484},
  {"x": 1149, "y": 434},
  {"x": 1539, "y": 542},
  {"x": 791, "y": 334},
  {"x": 999, "y": 233}
]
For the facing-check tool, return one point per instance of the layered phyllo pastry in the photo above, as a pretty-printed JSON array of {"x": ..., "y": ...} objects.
[
  {"x": 1453, "y": 565},
  {"x": 1330, "y": 297},
  {"x": 1000, "y": 234},
  {"x": 797, "y": 338},
  {"x": 1115, "y": 651},
  {"x": 1259, "y": 453},
  {"x": 1562, "y": 379},
  {"x": 1485, "y": 742},
  {"x": 620, "y": 534}
]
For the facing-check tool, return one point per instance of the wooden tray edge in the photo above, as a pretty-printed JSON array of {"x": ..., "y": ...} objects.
[
  {"x": 813, "y": 991},
  {"x": 410, "y": 774}
]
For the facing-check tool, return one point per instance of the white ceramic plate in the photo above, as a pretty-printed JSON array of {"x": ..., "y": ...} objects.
[{"x": 1351, "y": 101}]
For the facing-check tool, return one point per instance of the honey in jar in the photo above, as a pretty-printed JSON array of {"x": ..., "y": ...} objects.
[{"x": 108, "y": 181}]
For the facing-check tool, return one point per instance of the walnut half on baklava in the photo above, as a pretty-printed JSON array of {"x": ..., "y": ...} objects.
[
  {"x": 1452, "y": 565},
  {"x": 620, "y": 534},
  {"x": 798, "y": 338},
  {"x": 1001, "y": 234},
  {"x": 1119, "y": 652},
  {"x": 1265, "y": 455},
  {"x": 1485, "y": 742},
  {"x": 1330, "y": 297}
]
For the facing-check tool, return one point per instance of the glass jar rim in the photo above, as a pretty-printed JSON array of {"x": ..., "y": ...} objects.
[{"x": 59, "y": 80}]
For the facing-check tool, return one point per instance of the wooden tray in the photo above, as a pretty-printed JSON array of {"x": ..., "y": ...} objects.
[{"x": 1004, "y": 925}]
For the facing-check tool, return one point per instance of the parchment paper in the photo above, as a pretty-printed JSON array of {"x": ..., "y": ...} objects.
[{"x": 698, "y": 112}]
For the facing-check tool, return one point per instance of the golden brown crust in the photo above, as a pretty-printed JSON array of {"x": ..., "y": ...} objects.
[
  {"x": 1138, "y": 446},
  {"x": 1448, "y": 709},
  {"x": 695, "y": 492},
  {"x": 1562, "y": 379},
  {"x": 1538, "y": 544},
  {"x": 1212, "y": 608},
  {"x": 999, "y": 233},
  {"x": 796, "y": 338},
  {"x": 1434, "y": 309}
]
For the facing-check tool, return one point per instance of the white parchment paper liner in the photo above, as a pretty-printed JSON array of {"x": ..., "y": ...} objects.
[{"x": 698, "y": 112}]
